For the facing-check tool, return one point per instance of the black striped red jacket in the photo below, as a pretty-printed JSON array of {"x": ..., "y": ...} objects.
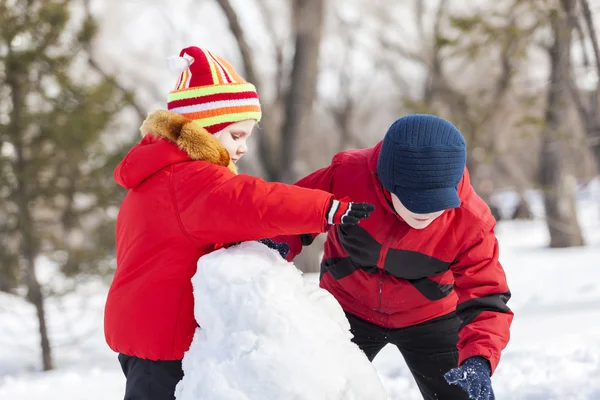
[{"x": 394, "y": 276}]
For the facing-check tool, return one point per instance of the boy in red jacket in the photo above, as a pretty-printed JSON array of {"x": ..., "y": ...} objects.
[
  {"x": 422, "y": 273},
  {"x": 186, "y": 200}
]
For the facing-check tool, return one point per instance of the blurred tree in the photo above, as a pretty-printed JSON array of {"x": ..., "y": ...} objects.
[
  {"x": 361, "y": 73},
  {"x": 56, "y": 188},
  {"x": 471, "y": 60},
  {"x": 308, "y": 25},
  {"x": 277, "y": 145},
  {"x": 588, "y": 101},
  {"x": 557, "y": 177},
  {"x": 508, "y": 32}
]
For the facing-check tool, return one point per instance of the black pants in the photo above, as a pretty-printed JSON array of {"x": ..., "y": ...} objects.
[
  {"x": 150, "y": 380},
  {"x": 429, "y": 350}
]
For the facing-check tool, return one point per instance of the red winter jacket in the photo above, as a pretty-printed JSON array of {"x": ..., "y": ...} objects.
[
  {"x": 394, "y": 276},
  {"x": 180, "y": 206}
]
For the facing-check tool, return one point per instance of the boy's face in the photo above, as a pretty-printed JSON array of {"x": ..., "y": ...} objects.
[
  {"x": 415, "y": 221},
  {"x": 234, "y": 138}
]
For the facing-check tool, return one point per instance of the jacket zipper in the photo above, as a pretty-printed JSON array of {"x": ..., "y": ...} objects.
[{"x": 380, "y": 264}]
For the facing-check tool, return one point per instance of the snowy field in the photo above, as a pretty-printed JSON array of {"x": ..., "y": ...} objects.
[{"x": 554, "y": 352}]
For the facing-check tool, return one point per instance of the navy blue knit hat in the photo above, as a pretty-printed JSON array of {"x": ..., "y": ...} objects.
[{"x": 422, "y": 160}]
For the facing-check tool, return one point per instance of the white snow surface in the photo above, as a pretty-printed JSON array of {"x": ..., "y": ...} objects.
[
  {"x": 267, "y": 331},
  {"x": 554, "y": 352}
]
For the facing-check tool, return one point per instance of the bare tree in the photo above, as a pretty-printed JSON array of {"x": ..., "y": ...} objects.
[
  {"x": 476, "y": 107},
  {"x": 358, "y": 98},
  {"x": 588, "y": 106},
  {"x": 346, "y": 105},
  {"x": 269, "y": 158},
  {"x": 558, "y": 180},
  {"x": 308, "y": 26},
  {"x": 278, "y": 161},
  {"x": 491, "y": 45}
]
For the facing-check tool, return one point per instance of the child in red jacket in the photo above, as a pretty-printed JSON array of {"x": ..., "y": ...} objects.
[
  {"x": 185, "y": 200},
  {"x": 422, "y": 272}
]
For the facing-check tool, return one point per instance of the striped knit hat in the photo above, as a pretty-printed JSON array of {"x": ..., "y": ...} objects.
[{"x": 210, "y": 92}]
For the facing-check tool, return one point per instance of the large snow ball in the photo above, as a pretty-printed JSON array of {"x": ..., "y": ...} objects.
[{"x": 268, "y": 333}]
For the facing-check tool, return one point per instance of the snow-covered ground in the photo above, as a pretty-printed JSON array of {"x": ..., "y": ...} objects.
[{"x": 554, "y": 352}]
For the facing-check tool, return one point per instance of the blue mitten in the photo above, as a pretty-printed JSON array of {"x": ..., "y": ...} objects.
[
  {"x": 283, "y": 248},
  {"x": 473, "y": 376}
]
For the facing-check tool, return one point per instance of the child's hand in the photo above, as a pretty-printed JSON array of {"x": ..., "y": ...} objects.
[
  {"x": 283, "y": 248},
  {"x": 348, "y": 213},
  {"x": 473, "y": 376}
]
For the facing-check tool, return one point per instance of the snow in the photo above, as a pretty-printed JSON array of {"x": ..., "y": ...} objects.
[
  {"x": 554, "y": 352},
  {"x": 266, "y": 332},
  {"x": 86, "y": 368}
]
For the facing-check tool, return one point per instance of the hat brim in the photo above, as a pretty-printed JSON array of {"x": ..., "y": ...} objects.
[{"x": 429, "y": 200}]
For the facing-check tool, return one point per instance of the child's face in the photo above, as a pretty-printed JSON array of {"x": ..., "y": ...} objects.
[
  {"x": 234, "y": 137},
  {"x": 415, "y": 221}
]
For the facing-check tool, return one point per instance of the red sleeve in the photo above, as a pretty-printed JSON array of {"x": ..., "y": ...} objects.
[
  {"x": 483, "y": 292},
  {"x": 321, "y": 180},
  {"x": 217, "y": 206}
]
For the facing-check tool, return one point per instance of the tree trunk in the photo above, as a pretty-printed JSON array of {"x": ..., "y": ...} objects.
[
  {"x": 268, "y": 158},
  {"x": 35, "y": 296},
  {"x": 557, "y": 178},
  {"x": 523, "y": 209},
  {"x": 28, "y": 253},
  {"x": 590, "y": 114},
  {"x": 308, "y": 21},
  {"x": 17, "y": 81}
]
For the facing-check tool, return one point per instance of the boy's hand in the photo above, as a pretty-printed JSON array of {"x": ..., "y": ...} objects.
[{"x": 473, "y": 376}]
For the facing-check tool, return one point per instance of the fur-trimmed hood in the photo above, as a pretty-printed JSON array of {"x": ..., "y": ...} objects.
[
  {"x": 196, "y": 141},
  {"x": 155, "y": 153}
]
